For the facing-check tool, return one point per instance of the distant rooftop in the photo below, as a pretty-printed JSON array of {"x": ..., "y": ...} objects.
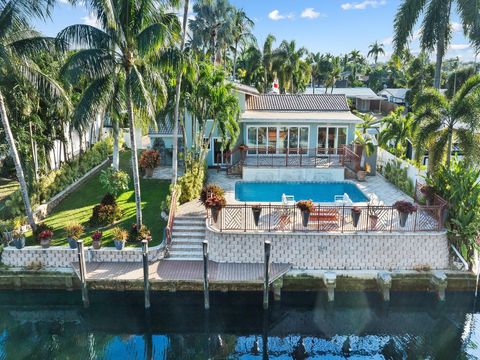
[
  {"x": 349, "y": 92},
  {"x": 399, "y": 93},
  {"x": 304, "y": 102},
  {"x": 250, "y": 90}
]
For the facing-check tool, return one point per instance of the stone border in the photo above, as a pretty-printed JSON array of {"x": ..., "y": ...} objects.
[
  {"x": 62, "y": 256},
  {"x": 44, "y": 209},
  {"x": 335, "y": 251}
]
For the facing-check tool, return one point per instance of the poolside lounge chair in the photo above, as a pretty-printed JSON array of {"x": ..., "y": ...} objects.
[
  {"x": 288, "y": 200},
  {"x": 343, "y": 199}
]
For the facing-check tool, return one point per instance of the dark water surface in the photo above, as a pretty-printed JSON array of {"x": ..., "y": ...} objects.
[{"x": 53, "y": 325}]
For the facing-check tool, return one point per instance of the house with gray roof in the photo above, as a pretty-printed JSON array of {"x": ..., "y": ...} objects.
[
  {"x": 363, "y": 99},
  {"x": 273, "y": 124},
  {"x": 395, "y": 95}
]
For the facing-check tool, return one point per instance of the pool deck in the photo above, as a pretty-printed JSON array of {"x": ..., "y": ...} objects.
[{"x": 375, "y": 187}]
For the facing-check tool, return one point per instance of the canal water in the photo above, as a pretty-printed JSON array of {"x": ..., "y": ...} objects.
[{"x": 53, "y": 325}]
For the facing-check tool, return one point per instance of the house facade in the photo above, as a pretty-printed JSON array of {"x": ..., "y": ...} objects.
[{"x": 272, "y": 124}]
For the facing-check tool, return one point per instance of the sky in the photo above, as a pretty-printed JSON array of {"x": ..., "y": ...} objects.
[{"x": 334, "y": 26}]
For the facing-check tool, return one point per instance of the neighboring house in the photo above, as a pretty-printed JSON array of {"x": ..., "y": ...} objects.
[
  {"x": 280, "y": 124},
  {"x": 363, "y": 99},
  {"x": 395, "y": 95}
]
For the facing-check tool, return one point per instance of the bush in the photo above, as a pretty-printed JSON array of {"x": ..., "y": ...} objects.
[
  {"x": 398, "y": 176},
  {"x": 191, "y": 183},
  {"x": 139, "y": 235},
  {"x": 150, "y": 159},
  {"x": 108, "y": 199},
  {"x": 114, "y": 181},
  {"x": 105, "y": 214}
]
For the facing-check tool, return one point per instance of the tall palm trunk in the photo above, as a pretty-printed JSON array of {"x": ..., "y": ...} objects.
[
  {"x": 438, "y": 63},
  {"x": 18, "y": 164},
  {"x": 235, "y": 61},
  {"x": 177, "y": 99},
  {"x": 116, "y": 149},
  {"x": 133, "y": 141},
  {"x": 449, "y": 146}
]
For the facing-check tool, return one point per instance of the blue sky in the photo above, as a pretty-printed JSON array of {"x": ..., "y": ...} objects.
[{"x": 335, "y": 26}]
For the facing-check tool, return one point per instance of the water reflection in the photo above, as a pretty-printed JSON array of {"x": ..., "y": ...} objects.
[{"x": 37, "y": 325}]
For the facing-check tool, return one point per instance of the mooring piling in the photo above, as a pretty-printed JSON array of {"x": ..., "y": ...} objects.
[
  {"x": 83, "y": 273},
  {"x": 146, "y": 282},
  {"x": 266, "y": 270},
  {"x": 206, "y": 295}
]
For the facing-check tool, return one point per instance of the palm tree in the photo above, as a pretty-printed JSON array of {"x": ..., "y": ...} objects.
[
  {"x": 18, "y": 43},
  {"x": 287, "y": 62},
  {"x": 355, "y": 58},
  {"x": 397, "y": 129},
  {"x": 442, "y": 121},
  {"x": 435, "y": 31},
  {"x": 241, "y": 33},
  {"x": 211, "y": 27},
  {"x": 368, "y": 121},
  {"x": 121, "y": 55},
  {"x": 178, "y": 87},
  {"x": 267, "y": 61},
  {"x": 333, "y": 73},
  {"x": 375, "y": 50}
]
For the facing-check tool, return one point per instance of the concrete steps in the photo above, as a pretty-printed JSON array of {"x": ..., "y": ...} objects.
[{"x": 187, "y": 238}]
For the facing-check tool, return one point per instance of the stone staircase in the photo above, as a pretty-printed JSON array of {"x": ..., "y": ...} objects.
[{"x": 187, "y": 237}]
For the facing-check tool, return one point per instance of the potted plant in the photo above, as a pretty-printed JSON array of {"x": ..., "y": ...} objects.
[
  {"x": 18, "y": 238},
  {"x": 364, "y": 146},
  {"x": 74, "y": 232},
  {"x": 356, "y": 212},
  {"x": 404, "y": 209},
  {"x": 139, "y": 234},
  {"x": 257, "y": 210},
  {"x": 120, "y": 237},
  {"x": 215, "y": 203},
  {"x": 97, "y": 240},
  {"x": 6, "y": 229},
  {"x": 149, "y": 160},
  {"x": 306, "y": 207},
  {"x": 45, "y": 237},
  {"x": 361, "y": 174}
]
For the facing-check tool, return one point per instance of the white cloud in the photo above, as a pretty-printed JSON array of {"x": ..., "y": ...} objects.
[
  {"x": 387, "y": 40},
  {"x": 456, "y": 27},
  {"x": 275, "y": 15},
  {"x": 363, "y": 5},
  {"x": 91, "y": 20},
  {"x": 63, "y": 1},
  {"x": 310, "y": 13},
  {"x": 459, "y": 46}
]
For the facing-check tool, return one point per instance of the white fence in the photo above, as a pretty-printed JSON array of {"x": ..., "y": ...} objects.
[{"x": 413, "y": 172}]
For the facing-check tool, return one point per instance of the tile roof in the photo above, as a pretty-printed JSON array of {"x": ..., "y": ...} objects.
[
  {"x": 349, "y": 92},
  {"x": 304, "y": 102},
  {"x": 165, "y": 128}
]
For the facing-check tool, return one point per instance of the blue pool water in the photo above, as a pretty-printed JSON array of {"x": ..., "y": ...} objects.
[{"x": 316, "y": 191}]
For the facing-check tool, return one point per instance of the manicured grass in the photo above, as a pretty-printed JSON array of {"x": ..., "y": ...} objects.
[
  {"x": 7, "y": 187},
  {"x": 78, "y": 207}
]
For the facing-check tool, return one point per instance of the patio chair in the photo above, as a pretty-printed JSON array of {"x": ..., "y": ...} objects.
[
  {"x": 288, "y": 200},
  {"x": 343, "y": 199}
]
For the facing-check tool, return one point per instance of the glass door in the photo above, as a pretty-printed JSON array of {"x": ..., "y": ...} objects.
[{"x": 221, "y": 156}]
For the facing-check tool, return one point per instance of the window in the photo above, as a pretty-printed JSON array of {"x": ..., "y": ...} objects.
[
  {"x": 277, "y": 140},
  {"x": 330, "y": 139}
]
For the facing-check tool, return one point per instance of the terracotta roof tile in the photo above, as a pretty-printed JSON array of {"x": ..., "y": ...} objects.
[{"x": 303, "y": 102}]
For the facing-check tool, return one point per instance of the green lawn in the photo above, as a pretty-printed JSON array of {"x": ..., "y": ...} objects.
[
  {"x": 78, "y": 207},
  {"x": 7, "y": 187}
]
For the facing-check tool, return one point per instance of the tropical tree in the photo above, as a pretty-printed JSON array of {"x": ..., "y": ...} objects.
[
  {"x": 19, "y": 43},
  {"x": 212, "y": 27},
  {"x": 435, "y": 32},
  {"x": 376, "y": 49},
  {"x": 335, "y": 69},
  {"x": 442, "y": 122},
  {"x": 287, "y": 61},
  {"x": 369, "y": 121},
  {"x": 241, "y": 33},
  {"x": 122, "y": 55},
  {"x": 397, "y": 130},
  {"x": 356, "y": 59}
]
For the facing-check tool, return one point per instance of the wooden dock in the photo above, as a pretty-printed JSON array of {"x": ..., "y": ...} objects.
[{"x": 182, "y": 271}]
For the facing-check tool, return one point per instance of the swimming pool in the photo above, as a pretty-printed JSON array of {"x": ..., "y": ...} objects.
[{"x": 316, "y": 191}]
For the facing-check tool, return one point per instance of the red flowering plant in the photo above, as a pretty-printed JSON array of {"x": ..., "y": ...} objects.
[
  {"x": 150, "y": 159},
  {"x": 97, "y": 235},
  {"x": 215, "y": 202},
  {"x": 45, "y": 234},
  {"x": 404, "y": 207}
]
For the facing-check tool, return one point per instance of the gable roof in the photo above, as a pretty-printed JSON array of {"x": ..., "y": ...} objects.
[
  {"x": 304, "y": 102},
  {"x": 398, "y": 93},
  {"x": 250, "y": 90}
]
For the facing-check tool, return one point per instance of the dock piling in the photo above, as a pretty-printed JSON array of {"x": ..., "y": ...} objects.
[
  {"x": 330, "y": 282},
  {"x": 384, "y": 281},
  {"x": 83, "y": 273},
  {"x": 146, "y": 282},
  {"x": 439, "y": 283},
  {"x": 266, "y": 280},
  {"x": 206, "y": 295}
]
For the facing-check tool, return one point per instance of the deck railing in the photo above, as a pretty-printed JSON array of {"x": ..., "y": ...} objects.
[
  {"x": 171, "y": 218},
  {"x": 335, "y": 218}
]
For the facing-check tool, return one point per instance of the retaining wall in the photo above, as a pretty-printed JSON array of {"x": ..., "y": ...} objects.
[
  {"x": 62, "y": 257},
  {"x": 360, "y": 251}
]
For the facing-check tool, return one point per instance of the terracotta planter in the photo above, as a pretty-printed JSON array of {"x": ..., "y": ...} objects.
[
  {"x": 45, "y": 243},
  {"x": 305, "y": 217},
  {"x": 361, "y": 175},
  {"x": 402, "y": 218},
  {"x": 149, "y": 172},
  {"x": 215, "y": 212},
  {"x": 256, "y": 215},
  {"x": 97, "y": 244},
  {"x": 355, "y": 217}
]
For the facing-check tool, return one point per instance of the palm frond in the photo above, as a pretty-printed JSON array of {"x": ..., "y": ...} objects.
[
  {"x": 32, "y": 46},
  {"x": 141, "y": 96},
  {"x": 405, "y": 19},
  {"x": 91, "y": 64},
  {"x": 158, "y": 35},
  {"x": 85, "y": 36}
]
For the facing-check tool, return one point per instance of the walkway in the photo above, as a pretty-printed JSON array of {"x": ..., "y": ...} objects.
[{"x": 182, "y": 270}]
